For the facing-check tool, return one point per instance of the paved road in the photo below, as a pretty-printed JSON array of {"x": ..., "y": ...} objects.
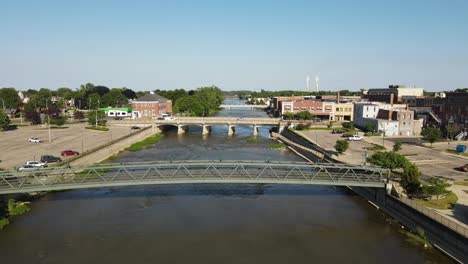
[{"x": 15, "y": 148}]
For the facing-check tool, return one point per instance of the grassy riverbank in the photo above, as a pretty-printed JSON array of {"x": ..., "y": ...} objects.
[
  {"x": 10, "y": 209},
  {"x": 277, "y": 146},
  {"x": 145, "y": 143},
  {"x": 448, "y": 202}
]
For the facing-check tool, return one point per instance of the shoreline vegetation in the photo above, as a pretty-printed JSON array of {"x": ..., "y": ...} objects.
[
  {"x": 11, "y": 209},
  {"x": 145, "y": 142}
]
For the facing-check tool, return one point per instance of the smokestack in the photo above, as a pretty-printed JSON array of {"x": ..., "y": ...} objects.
[
  {"x": 391, "y": 100},
  {"x": 338, "y": 97},
  {"x": 390, "y": 112}
]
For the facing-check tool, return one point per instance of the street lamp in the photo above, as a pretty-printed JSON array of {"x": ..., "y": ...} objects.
[{"x": 97, "y": 111}]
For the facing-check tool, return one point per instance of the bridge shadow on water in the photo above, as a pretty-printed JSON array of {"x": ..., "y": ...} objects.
[{"x": 229, "y": 190}]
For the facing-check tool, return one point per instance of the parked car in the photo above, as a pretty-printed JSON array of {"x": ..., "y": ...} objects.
[
  {"x": 337, "y": 131},
  {"x": 463, "y": 168},
  {"x": 69, "y": 153},
  {"x": 354, "y": 138},
  {"x": 347, "y": 135},
  {"x": 35, "y": 163},
  {"x": 35, "y": 140},
  {"x": 50, "y": 158},
  {"x": 135, "y": 127},
  {"x": 27, "y": 168}
]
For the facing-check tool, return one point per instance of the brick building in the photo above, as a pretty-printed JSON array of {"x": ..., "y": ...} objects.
[{"x": 150, "y": 106}]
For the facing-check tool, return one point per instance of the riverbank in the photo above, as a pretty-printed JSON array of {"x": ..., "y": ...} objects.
[{"x": 449, "y": 240}]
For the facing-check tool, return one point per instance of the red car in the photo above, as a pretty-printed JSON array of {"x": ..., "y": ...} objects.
[
  {"x": 69, "y": 153},
  {"x": 463, "y": 168}
]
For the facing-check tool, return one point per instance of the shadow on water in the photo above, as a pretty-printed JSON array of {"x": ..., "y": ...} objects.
[{"x": 244, "y": 190}]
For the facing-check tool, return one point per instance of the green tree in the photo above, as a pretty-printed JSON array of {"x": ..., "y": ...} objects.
[
  {"x": 4, "y": 120},
  {"x": 94, "y": 101},
  {"x": 304, "y": 115},
  {"x": 341, "y": 145},
  {"x": 388, "y": 159},
  {"x": 191, "y": 105},
  {"x": 288, "y": 116},
  {"x": 92, "y": 116},
  {"x": 436, "y": 187},
  {"x": 431, "y": 134},
  {"x": 410, "y": 179},
  {"x": 57, "y": 121},
  {"x": 10, "y": 98},
  {"x": 369, "y": 128},
  {"x": 114, "y": 98},
  {"x": 397, "y": 146}
]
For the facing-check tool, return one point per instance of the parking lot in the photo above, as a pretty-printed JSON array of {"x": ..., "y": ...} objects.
[{"x": 15, "y": 149}]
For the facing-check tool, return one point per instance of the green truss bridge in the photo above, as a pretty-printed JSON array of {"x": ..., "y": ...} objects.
[{"x": 181, "y": 172}]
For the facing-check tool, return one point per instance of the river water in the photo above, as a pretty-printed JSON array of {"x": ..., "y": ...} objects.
[{"x": 208, "y": 223}]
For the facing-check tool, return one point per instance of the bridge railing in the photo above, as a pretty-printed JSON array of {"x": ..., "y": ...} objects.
[{"x": 60, "y": 178}]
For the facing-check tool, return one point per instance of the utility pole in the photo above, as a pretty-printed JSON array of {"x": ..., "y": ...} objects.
[
  {"x": 3, "y": 102},
  {"x": 97, "y": 112},
  {"x": 48, "y": 120}
]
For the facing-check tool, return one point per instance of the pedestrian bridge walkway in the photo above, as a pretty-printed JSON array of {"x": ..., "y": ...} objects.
[{"x": 183, "y": 172}]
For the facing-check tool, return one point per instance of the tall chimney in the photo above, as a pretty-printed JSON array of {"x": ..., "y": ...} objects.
[
  {"x": 391, "y": 99},
  {"x": 390, "y": 112},
  {"x": 338, "y": 97}
]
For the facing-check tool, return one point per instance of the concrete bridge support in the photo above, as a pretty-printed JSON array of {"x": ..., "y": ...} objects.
[
  {"x": 206, "y": 129},
  {"x": 255, "y": 130},
  {"x": 231, "y": 130},
  {"x": 281, "y": 128},
  {"x": 181, "y": 129}
]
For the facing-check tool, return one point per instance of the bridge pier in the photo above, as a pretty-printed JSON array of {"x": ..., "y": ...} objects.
[
  {"x": 255, "y": 130},
  {"x": 231, "y": 130},
  {"x": 206, "y": 129},
  {"x": 181, "y": 129},
  {"x": 281, "y": 128}
]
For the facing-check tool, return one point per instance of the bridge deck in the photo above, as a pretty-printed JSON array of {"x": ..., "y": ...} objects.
[{"x": 177, "y": 172}]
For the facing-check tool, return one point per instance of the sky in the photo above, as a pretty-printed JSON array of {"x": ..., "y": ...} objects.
[{"x": 234, "y": 44}]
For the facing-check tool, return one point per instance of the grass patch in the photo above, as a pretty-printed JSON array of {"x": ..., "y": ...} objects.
[
  {"x": 17, "y": 208},
  {"x": 376, "y": 147},
  {"x": 456, "y": 153},
  {"x": 277, "y": 146},
  {"x": 99, "y": 128},
  {"x": 252, "y": 140},
  {"x": 448, "y": 202},
  {"x": 462, "y": 183},
  {"x": 419, "y": 238},
  {"x": 4, "y": 222},
  {"x": 145, "y": 143}
]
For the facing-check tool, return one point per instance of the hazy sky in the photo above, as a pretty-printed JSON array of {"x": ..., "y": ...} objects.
[{"x": 239, "y": 44}]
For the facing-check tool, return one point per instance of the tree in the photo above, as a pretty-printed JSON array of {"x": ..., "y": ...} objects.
[
  {"x": 389, "y": 159},
  {"x": 114, "y": 98},
  {"x": 410, "y": 179},
  {"x": 191, "y": 105},
  {"x": 92, "y": 116},
  {"x": 4, "y": 120},
  {"x": 101, "y": 90},
  {"x": 397, "y": 146},
  {"x": 33, "y": 116},
  {"x": 341, "y": 145},
  {"x": 129, "y": 93},
  {"x": 10, "y": 98},
  {"x": 93, "y": 101},
  {"x": 369, "y": 128},
  {"x": 288, "y": 116},
  {"x": 304, "y": 115},
  {"x": 436, "y": 187},
  {"x": 431, "y": 134}
]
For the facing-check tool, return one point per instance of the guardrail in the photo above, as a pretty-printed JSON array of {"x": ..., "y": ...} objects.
[{"x": 459, "y": 228}]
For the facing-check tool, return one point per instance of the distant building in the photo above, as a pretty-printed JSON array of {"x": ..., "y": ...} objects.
[
  {"x": 343, "y": 112},
  {"x": 275, "y": 102},
  {"x": 455, "y": 109},
  {"x": 150, "y": 106},
  {"x": 399, "y": 91}
]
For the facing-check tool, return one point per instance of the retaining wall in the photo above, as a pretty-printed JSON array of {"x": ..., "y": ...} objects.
[{"x": 101, "y": 153}]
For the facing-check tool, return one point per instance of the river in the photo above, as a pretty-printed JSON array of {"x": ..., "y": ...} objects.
[{"x": 208, "y": 223}]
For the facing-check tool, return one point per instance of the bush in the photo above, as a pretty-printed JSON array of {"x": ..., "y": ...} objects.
[
  {"x": 410, "y": 179},
  {"x": 57, "y": 121},
  {"x": 436, "y": 187},
  {"x": 397, "y": 146},
  {"x": 4, "y": 222},
  {"x": 302, "y": 126},
  {"x": 99, "y": 128},
  {"x": 341, "y": 145},
  {"x": 15, "y": 208},
  {"x": 348, "y": 125}
]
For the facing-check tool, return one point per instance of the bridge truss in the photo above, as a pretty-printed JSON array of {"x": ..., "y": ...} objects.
[{"x": 179, "y": 172}]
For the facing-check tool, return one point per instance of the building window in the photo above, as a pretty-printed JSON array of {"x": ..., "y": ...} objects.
[
  {"x": 303, "y": 108},
  {"x": 337, "y": 109},
  {"x": 312, "y": 108},
  {"x": 153, "y": 112},
  {"x": 146, "y": 112}
]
